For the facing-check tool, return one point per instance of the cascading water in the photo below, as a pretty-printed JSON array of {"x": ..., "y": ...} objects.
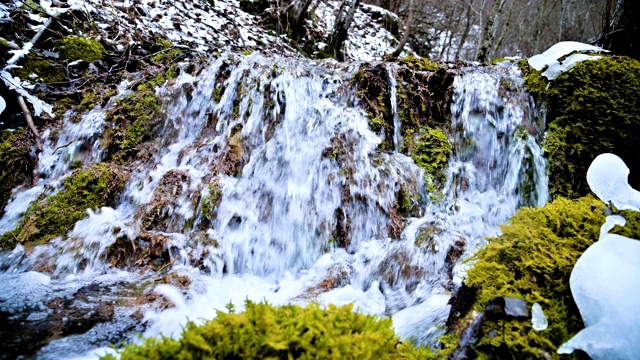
[{"x": 267, "y": 184}]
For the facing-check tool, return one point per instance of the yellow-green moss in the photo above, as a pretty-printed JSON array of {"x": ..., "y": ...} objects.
[
  {"x": 165, "y": 52},
  {"x": 16, "y": 165},
  {"x": 72, "y": 48},
  {"x": 209, "y": 203},
  {"x": 47, "y": 71},
  {"x": 592, "y": 109},
  {"x": 285, "y": 332},
  {"x": 419, "y": 63},
  {"x": 532, "y": 260},
  {"x": 430, "y": 149},
  {"x": 88, "y": 188}
]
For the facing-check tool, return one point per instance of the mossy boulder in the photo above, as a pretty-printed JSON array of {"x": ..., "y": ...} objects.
[
  {"x": 49, "y": 217},
  {"x": 286, "y": 332},
  {"x": 532, "y": 260},
  {"x": 592, "y": 109},
  {"x": 16, "y": 162},
  {"x": 72, "y": 48}
]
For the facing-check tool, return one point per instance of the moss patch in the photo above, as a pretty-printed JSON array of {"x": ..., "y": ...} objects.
[
  {"x": 88, "y": 188},
  {"x": 72, "y": 48},
  {"x": 16, "y": 164},
  {"x": 532, "y": 260},
  {"x": 419, "y": 63},
  {"x": 430, "y": 149},
  {"x": 592, "y": 109},
  {"x": 285, "y": 332},
  {"x": 46, "y": 70},
  {"x": 136, "y": 120}
]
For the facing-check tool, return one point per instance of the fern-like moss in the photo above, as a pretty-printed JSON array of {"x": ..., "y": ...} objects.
[{"x": 285, "y": 332}]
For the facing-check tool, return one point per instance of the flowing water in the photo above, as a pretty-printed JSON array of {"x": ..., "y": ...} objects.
[{"x": 266, "y": 184}]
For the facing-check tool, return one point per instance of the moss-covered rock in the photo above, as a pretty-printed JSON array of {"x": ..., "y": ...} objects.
[
  {"x": 16, "y": 163},
  {"x": 532, "y": 260},
  {"x": 49, "y": 217},
  {"x": 285, "y": 332},
  {"x": 135, "y": 120},
  {"x": 592, "y": 109},
  {"x": 419, "y": 63},
  {"x": 72, "y": 48}
]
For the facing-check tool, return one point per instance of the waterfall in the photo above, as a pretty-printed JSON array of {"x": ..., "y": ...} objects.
[{"x": 266, "y": 182}]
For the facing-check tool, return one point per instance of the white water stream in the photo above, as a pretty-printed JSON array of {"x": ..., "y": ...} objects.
[{"x": 305, "y": 197}]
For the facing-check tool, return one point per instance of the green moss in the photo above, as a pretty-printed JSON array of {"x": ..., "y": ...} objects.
[
  {"x": 88, "y": 101},
  {"x": 209, "y": 203},
  {"x": 165, "y": 52},
  {"x": 136, "y": 119},
  {"x": 88, "y": 188},
  {"x": 594, "y": 108},
  {"x": 419, "y": 63},
  {"x": 499, "y": 60},
  {"x": 16, "y": 165},
  {"x": 217, "y": 94},
  {"x": 430, "y": 149},
  {"x": 532, "y": 260},
  {"x": 72, "y": 48},
  {"x": 47, "y": 71},
  {"x": 285, "y": 332}
]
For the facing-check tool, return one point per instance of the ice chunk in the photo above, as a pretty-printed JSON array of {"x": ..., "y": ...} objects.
[
  {"x": 559, "y": 50},
  {"x": 607, "y": 178},
  {"x": 558, "y": 68},
  {"x": 605, "y": 284},
  {"x": 538, "y": 319},
  {"x": 3, "y": 104}
]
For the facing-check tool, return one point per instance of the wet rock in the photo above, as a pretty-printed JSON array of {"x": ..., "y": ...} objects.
[
  {"x": 148, "y": 250},
  {"x": 27, "y": 328},
  {"x": 461, "y": 303},
  {"x": 508, "y": 307},
  {"x": 160, "y": 214}
]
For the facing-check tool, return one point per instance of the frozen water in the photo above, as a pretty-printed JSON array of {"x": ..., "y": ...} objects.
[
  {"x": 605, "y": 281},
  {"x": 558, "y": 68},
  {"x": 538, "y": 319},
  {"x": 551, "y": 56},
  {"x": 608, "y": 178}
]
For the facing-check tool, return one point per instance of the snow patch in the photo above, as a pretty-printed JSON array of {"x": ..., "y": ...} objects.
[
  {"x": 551, "y": 57},
  {"x": 607, "y": 178}
]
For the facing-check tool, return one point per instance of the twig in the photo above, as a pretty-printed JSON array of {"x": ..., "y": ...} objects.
[
  {"x": 41, "y": 31},
  {"x": 36, "y": 134}
]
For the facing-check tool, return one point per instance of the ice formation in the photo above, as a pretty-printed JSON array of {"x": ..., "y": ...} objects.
[
  {"x": 605, "y": 281},
  {"x": 607, "y": 178},
  {"x": 538, "y": 318},
  {"x": 556, "y": 67}
]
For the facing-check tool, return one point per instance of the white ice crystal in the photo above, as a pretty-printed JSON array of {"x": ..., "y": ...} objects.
[
  {"x": 3, "y": 105},
  {"x": 605, "y": 281},
  {"x": 538, "y": 319},
  {"x": 607, "y": 178}
]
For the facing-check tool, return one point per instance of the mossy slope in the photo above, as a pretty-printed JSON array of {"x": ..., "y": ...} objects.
[
  {"x": 88, "y": 188},
  {"x": 285, "y": 332},
  {"x": 533, "y": 260}
]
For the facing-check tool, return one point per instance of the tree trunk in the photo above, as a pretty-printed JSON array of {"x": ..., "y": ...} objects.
[
  {"x": 465, "y": 33},
  {"x": 296, "y": 16},
  {"x": 490, "y": 28},
  {"x": 407, "y": 32},
  {"x": 341, "y": 27},
  {"x": 498, "y": 45}
]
